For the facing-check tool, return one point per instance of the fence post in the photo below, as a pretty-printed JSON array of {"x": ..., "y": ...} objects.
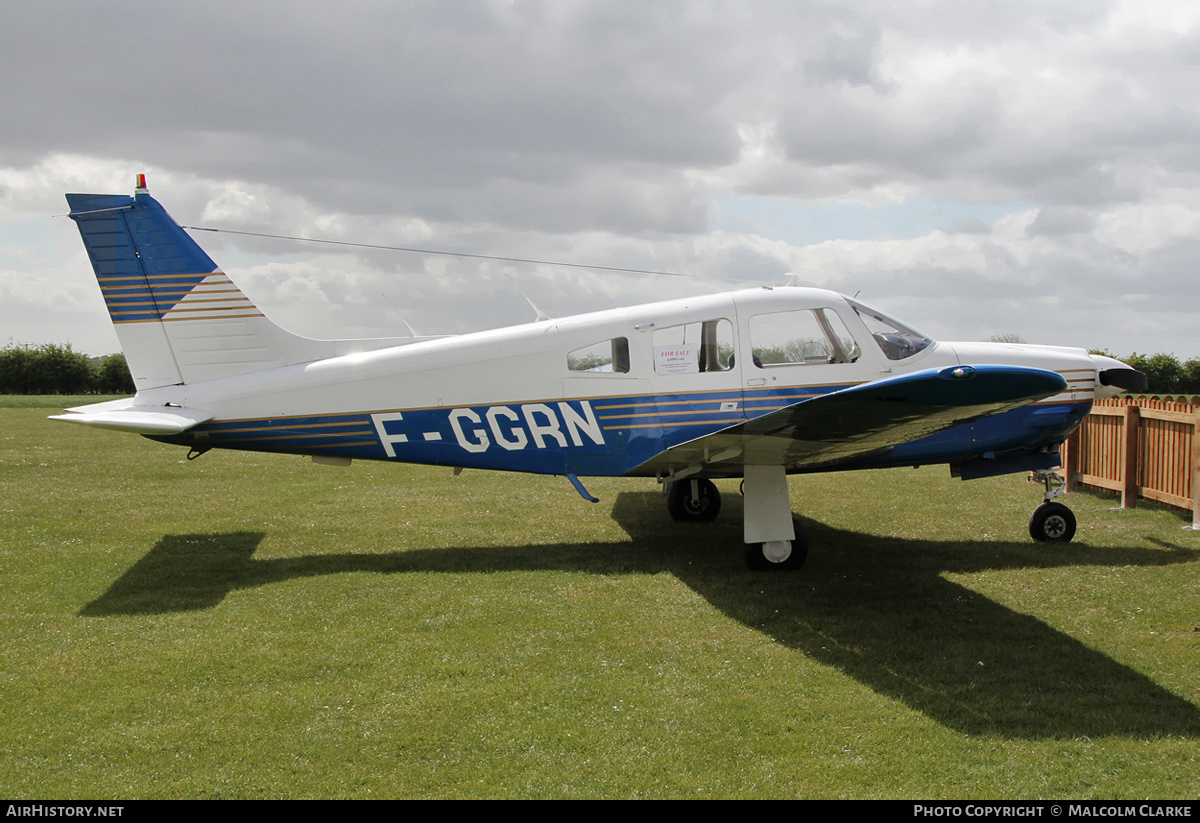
[
  {"x": 1195, "y": 467},
  {"x": 1129, "y": 471}
]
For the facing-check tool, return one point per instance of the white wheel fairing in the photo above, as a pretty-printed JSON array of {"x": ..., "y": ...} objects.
[{"x": 777, "y": 551}]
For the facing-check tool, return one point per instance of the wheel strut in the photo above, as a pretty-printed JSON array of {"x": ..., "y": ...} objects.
[{"x": 1053, "y": 482}]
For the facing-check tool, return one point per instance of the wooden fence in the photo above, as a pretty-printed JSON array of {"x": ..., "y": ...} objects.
[{"x": 1141, "y": 447}]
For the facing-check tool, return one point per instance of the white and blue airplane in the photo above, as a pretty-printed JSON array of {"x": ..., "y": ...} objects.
[{"x": 756, "y": 384}]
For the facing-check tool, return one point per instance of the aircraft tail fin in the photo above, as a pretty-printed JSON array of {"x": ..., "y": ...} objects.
[{"x": 179, "y": 318}]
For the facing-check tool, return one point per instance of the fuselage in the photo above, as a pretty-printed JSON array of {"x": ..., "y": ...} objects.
[{"x": 601, "y": 393}]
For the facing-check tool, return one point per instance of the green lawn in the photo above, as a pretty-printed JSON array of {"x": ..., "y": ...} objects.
[{"x": 250, "y": 625}]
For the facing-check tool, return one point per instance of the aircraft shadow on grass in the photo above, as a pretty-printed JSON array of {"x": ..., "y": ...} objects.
[{"x": 876, "y": 608}]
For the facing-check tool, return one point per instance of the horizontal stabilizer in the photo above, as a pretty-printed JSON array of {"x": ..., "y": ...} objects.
[{"x": 120, "y": 416}]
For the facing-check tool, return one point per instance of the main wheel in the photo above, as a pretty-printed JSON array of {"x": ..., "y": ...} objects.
[
  {"x": 780, "y": 555},
  {"x": 1052, "y": 521},
  {"x": 693, "y": 500}
]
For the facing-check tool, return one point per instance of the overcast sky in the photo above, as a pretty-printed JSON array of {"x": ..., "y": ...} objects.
[{"x": 975, "y": 168}]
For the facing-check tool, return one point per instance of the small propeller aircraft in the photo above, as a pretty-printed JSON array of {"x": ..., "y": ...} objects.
[{"x": 756, "y": 384}]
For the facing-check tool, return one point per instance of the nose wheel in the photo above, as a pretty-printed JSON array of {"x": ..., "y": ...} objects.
[{"x": 1051, "y": 521}]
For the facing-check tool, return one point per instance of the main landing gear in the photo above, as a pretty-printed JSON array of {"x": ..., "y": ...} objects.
[
  {"x": 1051, "y": 521},
  {"x": 778, "y": 555},
  {"x": 693, "y": 500},
  {"x": 774, "y": 542}
]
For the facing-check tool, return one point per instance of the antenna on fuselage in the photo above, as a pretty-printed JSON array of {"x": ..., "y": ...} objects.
[
  {"x": 541, "y": 315},
  {"x": 793, "y": 279},
  {"x": 412, "y": 332}
]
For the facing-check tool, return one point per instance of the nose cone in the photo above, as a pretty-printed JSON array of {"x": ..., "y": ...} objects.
[{"x": 1114, "y": 377}]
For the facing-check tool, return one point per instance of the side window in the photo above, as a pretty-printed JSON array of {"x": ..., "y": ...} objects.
[
  {"x": 804, "y": 337},
  {"x": 607, "y": 356},
  {"x": 694, "y": 347}
]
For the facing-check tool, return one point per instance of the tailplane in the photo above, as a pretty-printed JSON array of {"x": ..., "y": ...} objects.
[{"x": 179, "y": 318}]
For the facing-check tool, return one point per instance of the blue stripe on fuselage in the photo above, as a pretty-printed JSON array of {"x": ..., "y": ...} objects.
[{"x": 605, "y": 436}]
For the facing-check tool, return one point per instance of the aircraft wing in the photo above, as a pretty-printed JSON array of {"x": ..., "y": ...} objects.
[{"x": 867, "y": 419}]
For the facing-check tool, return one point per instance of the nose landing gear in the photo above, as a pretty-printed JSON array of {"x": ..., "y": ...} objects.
[{"x": 1051, "y": 521}]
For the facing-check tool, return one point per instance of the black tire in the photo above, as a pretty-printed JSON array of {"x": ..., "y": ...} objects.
[
  {"x": 682, "y": 506},
  {"x": 1052, "y": 522},
  {"x": 759, "y": 562}
]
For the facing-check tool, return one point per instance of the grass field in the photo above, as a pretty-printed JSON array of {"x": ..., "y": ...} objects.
[{"x": 250, "y": 625}]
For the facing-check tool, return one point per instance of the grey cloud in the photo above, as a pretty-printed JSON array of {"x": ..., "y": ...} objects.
[
  {"x": 920, "y": 139},
  {"x": 969, "y": 225},
  {"x": 847, "y": 54},
  {"x": 604, "y": 131},
  {"x": 411, "y": 97},
  {"x": 1007, "y": 114},
  {"x": 1059, "y": 220}
]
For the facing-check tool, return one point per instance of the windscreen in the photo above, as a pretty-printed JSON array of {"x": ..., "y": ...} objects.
[{"x": 897, "y": 340}]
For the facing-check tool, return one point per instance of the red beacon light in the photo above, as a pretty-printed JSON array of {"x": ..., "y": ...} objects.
[{"x": 141, "y": 184}]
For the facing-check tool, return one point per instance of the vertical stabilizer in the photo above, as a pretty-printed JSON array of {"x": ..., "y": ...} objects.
[{"x": 179, "y": 318}]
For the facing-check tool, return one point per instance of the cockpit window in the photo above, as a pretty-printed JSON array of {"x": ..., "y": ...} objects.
[
  {"x": 895, "y": 339},
  {"x": 801, "y": 337}
]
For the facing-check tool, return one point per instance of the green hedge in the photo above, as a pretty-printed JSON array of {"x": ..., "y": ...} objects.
[
  {"x": 56, "y": 369},
  {"x": 1165, "y": 374}
]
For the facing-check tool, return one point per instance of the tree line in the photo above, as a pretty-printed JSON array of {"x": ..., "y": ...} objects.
[
  {"x": 1165, "y": 374},
  {"x": 56, "y": 369}
]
